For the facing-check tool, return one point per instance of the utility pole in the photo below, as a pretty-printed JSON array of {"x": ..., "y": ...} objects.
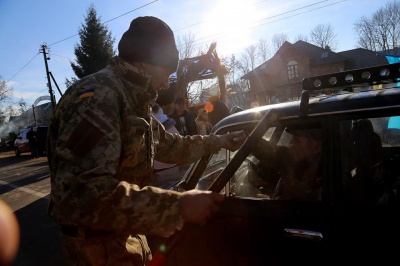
[
  {"x": 34, "y": 115},
  {"x": 53, "y": 105},
  {"x": 58, "y": 88}
]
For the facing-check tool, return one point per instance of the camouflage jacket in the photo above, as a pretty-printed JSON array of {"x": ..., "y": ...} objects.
[{"x": 102, "y": 143}]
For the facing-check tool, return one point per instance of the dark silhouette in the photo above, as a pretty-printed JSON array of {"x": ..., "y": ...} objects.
[
  {"x": 32, "y": 136},
  {"x": 218, "y": 112},
  {"x": 293, "y": 170},
  {"x": 185, "y": 122}
]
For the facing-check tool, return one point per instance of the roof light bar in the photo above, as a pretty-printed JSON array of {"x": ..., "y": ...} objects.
[{"x": 384, "y": 74}]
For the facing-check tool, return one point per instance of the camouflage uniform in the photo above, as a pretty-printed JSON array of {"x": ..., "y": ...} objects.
[{"x": 102, "y": 142}]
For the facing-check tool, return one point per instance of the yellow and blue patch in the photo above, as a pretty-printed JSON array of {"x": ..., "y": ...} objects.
[{"x": 87, "y": 93}]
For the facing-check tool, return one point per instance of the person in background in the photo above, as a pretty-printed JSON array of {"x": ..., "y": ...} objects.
[
  {"x": 217, "y": 110},
  {"x": 184, "y": 119},
  {"x": 169, "y": 125},
  {"x": 101, "y": 146},
  {"x": 33, "y": 142},
  {"x": 203, "y": 125},
  {"x": 166, "y": 175}
]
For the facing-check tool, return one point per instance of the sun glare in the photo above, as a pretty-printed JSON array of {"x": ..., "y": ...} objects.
[{"x": 229, "y": 23}]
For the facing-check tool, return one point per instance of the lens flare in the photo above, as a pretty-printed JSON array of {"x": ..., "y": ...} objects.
[
  {"x": 9, "y": 234},
  {"x": 209, "y": 107}
]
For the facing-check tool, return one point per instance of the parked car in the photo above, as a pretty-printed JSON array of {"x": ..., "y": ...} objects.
[
  {"x": 340, "y": 207},
  {"x": 21, "y": 143}
]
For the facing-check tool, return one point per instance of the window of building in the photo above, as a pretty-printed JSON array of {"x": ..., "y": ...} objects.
[{"x": 293, "y": 72}]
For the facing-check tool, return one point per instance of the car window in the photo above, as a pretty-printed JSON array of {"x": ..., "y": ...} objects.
[
  {"x": 23, "y": 134},
  {"x": 288, "y": 169},
  {"x": 291, "y": 169},
  {"x": 370, "y": 157},
  {"x": 216, "y": 164}
]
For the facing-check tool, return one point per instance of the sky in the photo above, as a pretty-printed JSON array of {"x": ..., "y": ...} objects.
[{"x": 234, "y": 24}]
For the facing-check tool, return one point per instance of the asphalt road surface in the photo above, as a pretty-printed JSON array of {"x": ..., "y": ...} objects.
[{"x": 25, "y": 186}]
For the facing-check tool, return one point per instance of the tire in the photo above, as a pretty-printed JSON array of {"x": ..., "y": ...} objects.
[{"x": 17, "y": 152}]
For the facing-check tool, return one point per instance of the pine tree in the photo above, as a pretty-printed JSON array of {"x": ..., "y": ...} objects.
[{"x": 96, "y": 46}]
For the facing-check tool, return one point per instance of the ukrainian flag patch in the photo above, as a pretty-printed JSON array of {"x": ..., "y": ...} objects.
[{"x": 87, "y": 93}]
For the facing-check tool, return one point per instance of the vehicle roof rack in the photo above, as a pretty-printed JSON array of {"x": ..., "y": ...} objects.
[{"x": 348, "y": 80}]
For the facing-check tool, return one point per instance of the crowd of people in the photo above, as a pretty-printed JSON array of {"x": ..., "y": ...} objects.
[{"x": 207, "y": 116}]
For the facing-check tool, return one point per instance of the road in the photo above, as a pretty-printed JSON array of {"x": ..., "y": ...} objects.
[{"x": 25, "y": 186}]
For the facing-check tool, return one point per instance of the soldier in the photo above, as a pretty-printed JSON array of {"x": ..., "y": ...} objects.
[{"x": 102, "y": 143}]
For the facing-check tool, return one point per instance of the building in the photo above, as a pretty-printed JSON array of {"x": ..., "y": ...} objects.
[
  {"x": 39, "y": 115},
  {"x": 279, "y": 79}
]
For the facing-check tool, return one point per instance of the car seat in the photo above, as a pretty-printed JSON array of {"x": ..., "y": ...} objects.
[{"x": 368, "y": 183}]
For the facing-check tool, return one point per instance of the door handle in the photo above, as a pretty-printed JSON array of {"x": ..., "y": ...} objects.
[{"x": 301, "y": 233}]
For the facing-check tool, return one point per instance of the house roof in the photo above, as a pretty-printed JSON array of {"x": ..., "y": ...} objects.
[
  {"x": 362, "y": 58},
  {"x": 356, "y": 58},
  {"x": 319, "y": 55}
]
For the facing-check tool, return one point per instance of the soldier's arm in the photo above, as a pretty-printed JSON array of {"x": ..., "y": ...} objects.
[{"x": 174, "y": 148}]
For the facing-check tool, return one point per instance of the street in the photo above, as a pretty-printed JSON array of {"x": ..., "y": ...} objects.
[{"x": 25, "y": 186}]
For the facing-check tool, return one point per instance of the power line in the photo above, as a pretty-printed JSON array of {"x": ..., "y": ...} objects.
[
  {"x": 260, "y": 19},
  {"x": 298, "y": 13},
  {"x": 52, "y": 54},
  {"x": 78, "y": 34},
  {"x": 107, "y": 21},
  {"x": 131, "y": 11},
  {"x": 197, "y": 23},
  {"x": 22, "y": 68},
  {"x": 294, "y": 10},
  {"x": 255, "y": 26}
]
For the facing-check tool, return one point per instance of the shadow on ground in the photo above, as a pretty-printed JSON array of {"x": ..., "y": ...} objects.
[{"x": 39, "y": 241}]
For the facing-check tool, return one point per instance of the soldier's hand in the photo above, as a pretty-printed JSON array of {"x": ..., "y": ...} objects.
[
  {"x": 232, "y": 141},
  {"x": 198, "y": 206}
]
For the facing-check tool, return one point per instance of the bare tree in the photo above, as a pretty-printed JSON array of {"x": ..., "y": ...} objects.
[
  {"x": 301, "y": 37},
  {"x": 5, "y": 92},
  {"x": 248, "y": 59},
  {"x": 188, "y": 48},
  {"x": 247, "y": 63},
  {"x": 232, "y": 64},
  {"x": 324, "y": 36},
  {"x": 263, "y": 50},
  {"x": 5, "y": 97},
  {"x": 186, "y": 45},
  {"x": 235, "y": 89},
  {"x": 380, "y": 31},
  {"x": 366, "y": 32},
  {"x": 278, "y": 40}
]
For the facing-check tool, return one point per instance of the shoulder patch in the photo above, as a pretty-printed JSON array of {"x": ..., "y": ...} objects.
[{"x": 87, "y": 93}]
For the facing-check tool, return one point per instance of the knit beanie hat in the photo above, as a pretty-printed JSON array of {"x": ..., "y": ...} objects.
[{"x": 149, "y": 40}]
